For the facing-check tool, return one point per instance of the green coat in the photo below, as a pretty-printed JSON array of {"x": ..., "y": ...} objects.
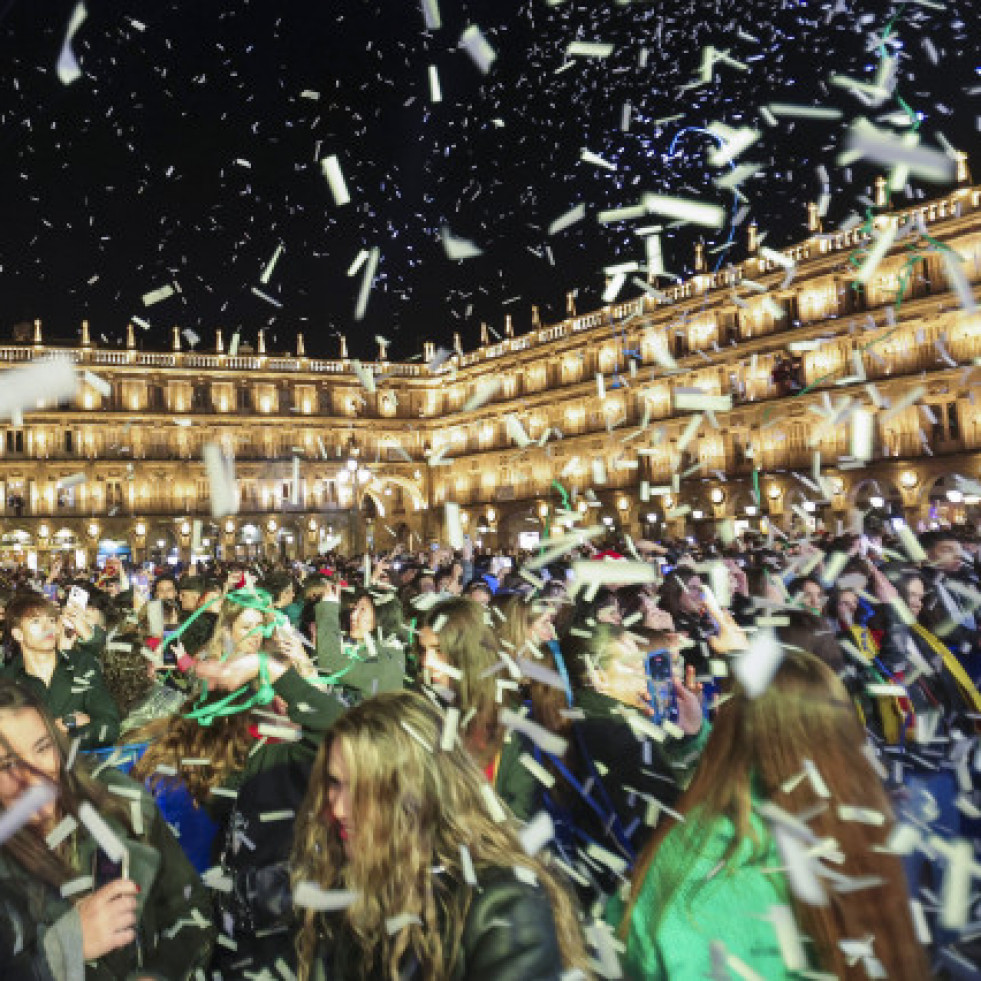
[
  {"x": 77, "y": 685},
  {"x": 730, "y": 906},
  {"x": 366, "y": 674},
  {"x": 515, "y": 784},
  {"x": 41, "y": 933}
]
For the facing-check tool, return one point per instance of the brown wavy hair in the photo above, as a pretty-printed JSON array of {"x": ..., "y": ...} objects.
[
  {"x": 414, "y": 806},
  {"x": 172, "y": 739},
  {"x": 467, "y": 643},
  {"x": 515, "y": 625},
  {"x": 27, "y": 847},
  {"x": 757, "y": 746}
]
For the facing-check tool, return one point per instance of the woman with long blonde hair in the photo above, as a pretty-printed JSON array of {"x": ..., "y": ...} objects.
[
  {"x": 441, "y": 887},
  {"x": 783, "y": 785},
  {"x": 224, "y": 750}
]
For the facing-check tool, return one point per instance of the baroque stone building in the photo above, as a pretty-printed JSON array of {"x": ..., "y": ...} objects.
[{"x": 733, "y": 395}]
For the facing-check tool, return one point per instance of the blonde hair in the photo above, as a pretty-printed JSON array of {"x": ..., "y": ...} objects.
[
  {"x": 229, "y": 611},
  {"x": 225, "y": 743},
  {"x": 414, "y": 806}
]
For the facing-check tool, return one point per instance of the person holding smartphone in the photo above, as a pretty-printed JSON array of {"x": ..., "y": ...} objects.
[
  {"x": 54, "y": 658},
  {"x": 67, "y": 908}
]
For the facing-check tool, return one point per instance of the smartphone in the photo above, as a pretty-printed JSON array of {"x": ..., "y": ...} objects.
[
  {"x": 50, "y": 592},
  {"x": 105, "y": 870},
  {"x": 660, "y": 686},
  {"x": 155, "y": 618},
  {"x": 169, "y": 658},
  {"x": 78, "y": 597}
]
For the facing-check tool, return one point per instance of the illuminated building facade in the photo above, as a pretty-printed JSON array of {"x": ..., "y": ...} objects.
[{"x": 589, "y": 402}]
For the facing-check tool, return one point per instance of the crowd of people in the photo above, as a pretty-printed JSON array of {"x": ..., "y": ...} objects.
[{"x": 637, "y": 759}]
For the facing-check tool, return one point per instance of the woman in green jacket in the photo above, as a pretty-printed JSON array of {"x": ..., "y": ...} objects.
[
  {"x": 351, "y": 651},
  {"x": 783, "y": 787},
  {"x": 92, "y": 882}
]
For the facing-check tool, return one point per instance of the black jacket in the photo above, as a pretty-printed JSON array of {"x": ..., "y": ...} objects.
[
  {"x": 508, "y": 935},
  {"x": 255, "y": 914}
]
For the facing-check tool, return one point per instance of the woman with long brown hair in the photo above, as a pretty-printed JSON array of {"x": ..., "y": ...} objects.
[
  {"x": 93, "y": 883},
  {"x": 784, "y": 782},
  {"x": 459, "y": 657},
  {"x": 399, "y": 817}
]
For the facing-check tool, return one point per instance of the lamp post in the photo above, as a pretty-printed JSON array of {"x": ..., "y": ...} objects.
[{"x": 355, "y": 476}]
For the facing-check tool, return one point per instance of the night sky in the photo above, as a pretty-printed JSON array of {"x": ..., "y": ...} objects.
[{"x": 189, "y": 150}]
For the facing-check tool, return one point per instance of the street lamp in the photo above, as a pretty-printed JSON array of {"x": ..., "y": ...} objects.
[{"x": 355, "y": 476}]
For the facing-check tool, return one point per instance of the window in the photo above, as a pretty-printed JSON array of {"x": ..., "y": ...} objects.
[
  {"x": 69, "y": 441},
  {"x": 953, "y": 423},
  {"x": 201, "y": 398},
  {"x": 15, "y": 441}
]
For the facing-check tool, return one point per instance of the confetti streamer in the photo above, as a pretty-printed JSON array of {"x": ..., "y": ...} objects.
[
  {"x": 308, "y": 895},
  {"x": 575, "y": 214},
  {"x": 757, "y": 666},
  {"x": 696, "y": 212},
  {"x": 537, "y": 833},
  {"x": 476, "y": 45},
  {"x": 588, "y": 49},
  {"x": 68, "y": 68},
  {"x": 435, "y": 92},
  {"x": 223, "y": 489},
  {"x": 430, "y": 15},
  {"x": 458, "y": 249},
  {"x": 14, "y": 817},
  {"x": 271, "y": 265},
  {"x": 546, "y": 740},
  {"x": 96, "y": 826},
  {"x": 366, "y": 283},
  {"x": 53, "y": 379},
  {"x": 331, "y": 167}
]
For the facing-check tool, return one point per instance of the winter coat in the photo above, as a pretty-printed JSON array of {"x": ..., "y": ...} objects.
[
  {"x": 368, "y": 669},
  {"x": 508, "y": 934},
  {"x": 41, "y": 932},
  {"x": 77, "y": 685}
]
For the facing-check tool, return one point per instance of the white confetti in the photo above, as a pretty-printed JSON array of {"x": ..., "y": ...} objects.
[{"x": 68, "y": 68}]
